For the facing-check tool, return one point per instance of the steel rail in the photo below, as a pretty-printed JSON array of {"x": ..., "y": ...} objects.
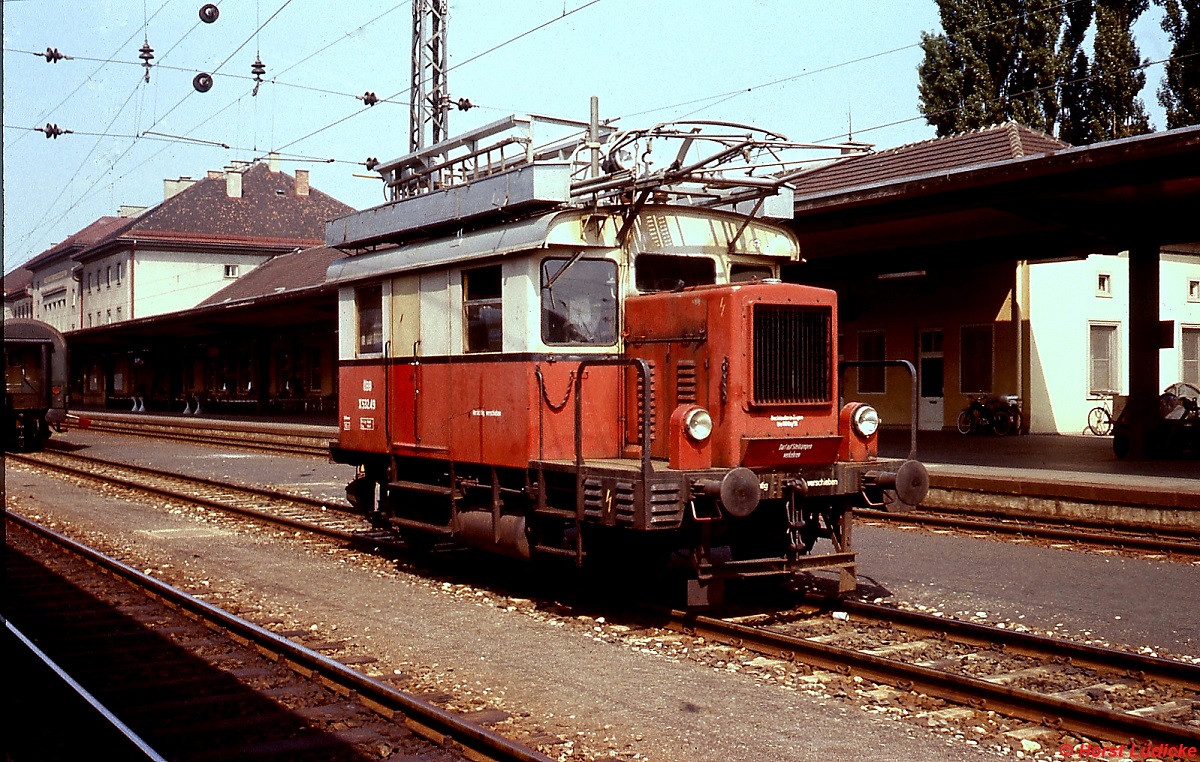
[
  {"x": 1046, "y": 710},
  {"x": 1166, "y": 670},
  {"x": 431, "y": 722},
  {"x": 155, "y": 429},
  {"x": 1032, "y": 530},
  {"x": 337, "y": 534},
  {"x": 201, "y": 480},
  {"x": 136, "y": 744}
]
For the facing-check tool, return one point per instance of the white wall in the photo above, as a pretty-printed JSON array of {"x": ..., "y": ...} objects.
[
  {"x": 1064, "y": 301},
  {"x": 170, "y": 281}
]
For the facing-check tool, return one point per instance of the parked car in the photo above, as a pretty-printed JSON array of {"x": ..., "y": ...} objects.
[{"x": 1177, "y": 431}]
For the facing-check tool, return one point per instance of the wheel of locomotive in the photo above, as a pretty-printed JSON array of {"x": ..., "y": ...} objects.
[
  {"x": 966, "y": 422},
  {"x": 1100, "y": 422},
  {"x": 1002, "y": 423}
]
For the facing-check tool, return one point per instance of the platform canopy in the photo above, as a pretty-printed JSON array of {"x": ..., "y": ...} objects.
[{"x": 1070, "y": 202}]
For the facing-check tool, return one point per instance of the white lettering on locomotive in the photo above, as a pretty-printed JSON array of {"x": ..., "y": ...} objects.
[
  {"x": 368, "y": 385},
  {"x": 479, "y": 413},
  {"x": 823, "y": 482},
  {"x": 346, "y": 423},
  {"x": 366, "y": 404},
  {"x": 787, "y": 421},
  {"x": 794, "y": 446},
  {"x": 366, "y": 424}
]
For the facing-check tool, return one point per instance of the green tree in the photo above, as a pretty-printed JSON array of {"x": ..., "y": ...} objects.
[
  {"x": 1024, "y": 60},
  {"x": 1179, "y": 93},
  {"x": 1117, "y": 73},
  {"x": 1074, "y": 89},
  {"x": 995, "y": 61}
]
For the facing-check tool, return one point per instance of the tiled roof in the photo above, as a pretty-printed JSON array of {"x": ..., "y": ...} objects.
[
  {"x": 285, "y": 273},
  {"x": 982, "y": 146},
  {"x": 17, "y": 281},
  {"x": 21, "y": 277},
  {"x": 269, "y": 212}
]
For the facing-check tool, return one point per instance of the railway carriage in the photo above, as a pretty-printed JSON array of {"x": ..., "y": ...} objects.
[
  {"x": 35, "y": 382},
  {"x": 573, "y": 353}
]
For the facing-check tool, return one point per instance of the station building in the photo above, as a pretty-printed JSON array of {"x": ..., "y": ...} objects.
[
  {"x": 126, "y": 290},
  {"x": 995, "y": 262},
  {"x": 216, "y": 300}
]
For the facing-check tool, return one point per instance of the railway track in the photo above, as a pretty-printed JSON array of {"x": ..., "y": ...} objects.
[
  {"x": 264, "y": 436},
  {"x": 192, "y": 681},
  {"x": 1075, "y": 531},
  {"x": 1061, "y": 686},
  {"x": 328, "y": 518},
  {"x": 1098, "y": 693}
]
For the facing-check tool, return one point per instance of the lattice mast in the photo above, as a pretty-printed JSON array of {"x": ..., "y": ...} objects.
[{"x": 429, "y": 99}]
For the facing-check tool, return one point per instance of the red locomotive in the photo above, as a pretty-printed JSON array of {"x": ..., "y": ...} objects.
[{"x": 566, "y": 350}]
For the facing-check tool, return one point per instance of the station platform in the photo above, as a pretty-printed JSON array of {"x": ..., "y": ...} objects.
[
  {"x": 1074, "y": 476},
  {"x": 1058, "y": 474}
]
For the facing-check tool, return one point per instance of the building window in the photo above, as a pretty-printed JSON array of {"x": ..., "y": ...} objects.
[
  {"x": 1191, "y": 356},
  {"x": 975, "y": 359},
  {"x": 368, "y": 303},
  {"x": 482, "y": 313},
  {"x": 231, "y": 271},
  {"x": 108, "y": 276},
  {"x": 872, "y": 346},
  {"x": 120, "y": 269},
  {"x": 579, "y": 301},
  {"x": 1103, "y": 284},
  {"x": 1103, "y": 359},
  {"x": 1194, "y": 289}
]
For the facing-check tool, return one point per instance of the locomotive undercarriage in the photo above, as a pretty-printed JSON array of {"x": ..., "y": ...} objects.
[{"x": 682, "y": 525}]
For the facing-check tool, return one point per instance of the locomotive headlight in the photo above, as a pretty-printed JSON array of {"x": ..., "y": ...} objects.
[
  {"x": 865, "y": 420},
  {"x": 698, "y": 424}
]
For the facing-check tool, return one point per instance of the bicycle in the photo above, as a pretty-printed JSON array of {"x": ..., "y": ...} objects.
[
  {"x": 1099, "y": 419},
  {"x": 999, "y": 415}
]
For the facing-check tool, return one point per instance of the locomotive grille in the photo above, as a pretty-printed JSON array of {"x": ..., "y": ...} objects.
[{"x": 791, "y": 354}]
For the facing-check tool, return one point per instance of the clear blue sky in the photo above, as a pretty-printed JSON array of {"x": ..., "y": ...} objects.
[{"x": 804, "y": 68}]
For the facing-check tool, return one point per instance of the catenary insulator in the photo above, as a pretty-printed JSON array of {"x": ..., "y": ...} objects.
[
  {"x": 53, "y": 56},
  {"x": 370, "y": 98},
  {"x": 209, "y": 13},
  {"x": 258, "y": 69},
  {"x": 52, "y": 130},
  {"x": 203, "y": 82},
  {"x": 147, "y": 55},
  {"x": 464, "y": 104}
]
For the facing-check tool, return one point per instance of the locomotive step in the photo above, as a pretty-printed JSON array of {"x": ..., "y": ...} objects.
[
  {"x": 436, "y": 490},
  {"x": 439, "y": 529}
]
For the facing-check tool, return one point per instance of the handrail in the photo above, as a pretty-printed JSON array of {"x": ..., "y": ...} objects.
[
  {"x": 912, "y": 373},
  {"x": 643, "y": 369}
]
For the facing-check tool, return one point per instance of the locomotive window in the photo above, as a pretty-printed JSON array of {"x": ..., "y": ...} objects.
[
  {"x": 482, "y": 312},
  {"x": 368, "y": 303},
  {"x": 747, "y": 273},
  {"x": 662, "y": 272},
  {"x": 579, "y": 301}
]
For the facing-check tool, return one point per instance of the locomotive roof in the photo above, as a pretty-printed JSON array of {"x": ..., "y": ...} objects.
[
  {"x": 661, "y": 228},
  {"x": 525, "y": 165}
]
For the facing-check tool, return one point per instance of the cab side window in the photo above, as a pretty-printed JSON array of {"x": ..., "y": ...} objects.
[
  {"x": 665, "y": 272},
  {"x": 482, "y": 313},
  {"x": 579, "y": 301},
  {"x": 368, "y": 303}
]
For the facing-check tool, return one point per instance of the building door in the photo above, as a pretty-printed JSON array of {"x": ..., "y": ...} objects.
[{"x": 931, "y": 377}]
